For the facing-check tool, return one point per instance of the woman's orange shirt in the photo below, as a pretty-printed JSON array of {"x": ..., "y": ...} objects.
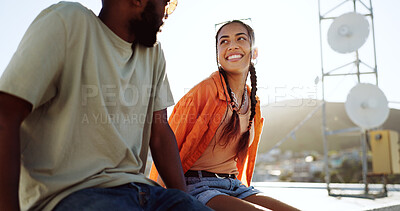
[{"x": 196, "y": 118}]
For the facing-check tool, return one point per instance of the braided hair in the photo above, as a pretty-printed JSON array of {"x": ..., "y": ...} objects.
[{"x": 232, "y": 129}]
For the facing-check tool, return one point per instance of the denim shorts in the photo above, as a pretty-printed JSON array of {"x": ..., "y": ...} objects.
[
  {"x": 132, "y": 196},
  {"x": 206, "y": 188}
]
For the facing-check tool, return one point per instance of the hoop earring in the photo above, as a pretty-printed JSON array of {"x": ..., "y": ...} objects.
[{"x": 255, "y": 61}]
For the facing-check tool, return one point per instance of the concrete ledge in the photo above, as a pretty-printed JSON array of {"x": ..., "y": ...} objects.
[
  {"x": 314, "y": 196},
  {"x": 389, "y": 208}
]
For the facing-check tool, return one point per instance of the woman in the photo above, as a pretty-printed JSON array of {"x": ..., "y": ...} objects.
[{"x": 218, "y": 125}]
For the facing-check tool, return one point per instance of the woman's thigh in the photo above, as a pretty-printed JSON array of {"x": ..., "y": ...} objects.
[
  {"x": 269, "y": 202},
  {"x": 223, "y": 202}
]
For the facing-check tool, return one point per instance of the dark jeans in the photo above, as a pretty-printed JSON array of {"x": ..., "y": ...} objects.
[{"x": 133, "y": 196}]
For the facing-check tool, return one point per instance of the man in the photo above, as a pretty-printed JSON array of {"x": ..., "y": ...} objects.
[{"x": 81, "y": 101}]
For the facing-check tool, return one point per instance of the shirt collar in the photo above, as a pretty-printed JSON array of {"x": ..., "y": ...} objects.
[{"x": 221, "y": 86}]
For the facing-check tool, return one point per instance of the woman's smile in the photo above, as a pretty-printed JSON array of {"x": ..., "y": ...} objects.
[{"x": 233, "y": 57}]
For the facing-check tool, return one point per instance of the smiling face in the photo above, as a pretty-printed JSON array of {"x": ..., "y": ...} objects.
[{"x": 234, "y": 48}]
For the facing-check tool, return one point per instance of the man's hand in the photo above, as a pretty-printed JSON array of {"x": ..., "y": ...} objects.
[
  {"x": 165, "y": 152},
  {"x": 13, "y": 111}
]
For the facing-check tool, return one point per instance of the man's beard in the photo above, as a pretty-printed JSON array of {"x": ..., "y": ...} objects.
[{"x": 146, "y": 29}]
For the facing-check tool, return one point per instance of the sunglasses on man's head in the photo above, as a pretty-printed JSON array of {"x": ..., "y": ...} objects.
[{"x": 170, "y": 8}]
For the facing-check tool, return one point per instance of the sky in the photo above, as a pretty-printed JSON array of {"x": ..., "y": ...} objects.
[{"x": 287, "y": 35}]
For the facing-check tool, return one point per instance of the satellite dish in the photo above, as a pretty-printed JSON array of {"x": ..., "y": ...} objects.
[
  {"x": 367, "y": 106},
  {"x": 348, "y": 32}
]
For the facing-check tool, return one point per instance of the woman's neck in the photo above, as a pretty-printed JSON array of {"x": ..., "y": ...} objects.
[{"x": 237, "y": 83}]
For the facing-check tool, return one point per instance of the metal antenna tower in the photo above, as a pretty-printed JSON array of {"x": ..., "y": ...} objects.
[{"x": 325, "y": 17}]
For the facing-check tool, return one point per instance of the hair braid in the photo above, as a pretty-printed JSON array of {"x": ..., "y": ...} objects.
[
  {"x": 232, "y": 129},
  {"x": 253, "y": 78}
]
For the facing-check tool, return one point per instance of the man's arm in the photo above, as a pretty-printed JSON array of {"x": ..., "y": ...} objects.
[
  {"x": 165, "y": 152},
  {"x": 13, "y": 111}
]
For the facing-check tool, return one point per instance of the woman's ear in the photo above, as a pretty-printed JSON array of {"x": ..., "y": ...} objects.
[{"x": 254, "y": 53}]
